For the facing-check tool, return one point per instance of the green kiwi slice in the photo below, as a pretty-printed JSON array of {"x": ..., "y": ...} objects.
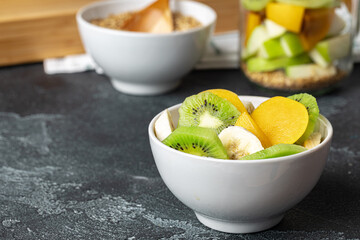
[
  {"x": 197, "y": 141},
  {"x": 207, "y": 110},
  {"x": 313, "y": 110},
  {"x": 279, "y": 150}
]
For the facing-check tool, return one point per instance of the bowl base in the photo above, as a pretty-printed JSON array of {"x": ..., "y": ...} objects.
[
  {"x": 238, "y": 227},
  {"x": 144, "y": 89}
]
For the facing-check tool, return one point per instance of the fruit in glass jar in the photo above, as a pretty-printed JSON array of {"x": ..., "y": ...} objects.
[
  {"x": 309, "y": 70},
  {"x": 271, "y": 49},
  {"x": 257, "y": 64},
  {"x": 336, "y": 26},
  {"x": 287, "y": 15},
  {"x": 254, "y": 5},
  {"x": 291, "y": 44},
  {"x": 337, "y": 3},
  {"x": 252, "y": 21},
  {"x": 256, "y": 39},
  {"x": 309, "y": 3},
  {"x": 348, "y": 3},
  {"x": 331, "y": 49},
  {"x": 316, "y": 25},
  {"x": 273, "y": 29}
]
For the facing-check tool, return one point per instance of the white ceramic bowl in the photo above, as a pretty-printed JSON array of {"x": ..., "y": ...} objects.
[
  {"x": 239, "y": 196},
  {"x": 144, "y": 63}
]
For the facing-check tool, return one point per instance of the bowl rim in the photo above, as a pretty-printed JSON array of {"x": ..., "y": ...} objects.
[
  {"x": 156, "y": 141},
  {"x": 82, "y": 10}
]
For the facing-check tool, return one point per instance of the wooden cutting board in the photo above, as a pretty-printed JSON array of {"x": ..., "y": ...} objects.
[{"x": 32, "y": 30}]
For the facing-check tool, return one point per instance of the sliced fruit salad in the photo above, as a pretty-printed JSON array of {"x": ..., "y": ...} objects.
[
  {"x": 216, "y": 123},
  {"x": 301, "y": 38}
]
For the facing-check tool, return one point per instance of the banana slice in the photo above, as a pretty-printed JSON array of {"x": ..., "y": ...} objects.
[
  {"x": 320, "y": 127},
  {"x": 313, "y": 140},
  {"x": 164, "y": 125},
  {"x": 249, "y": 106},
  {"x": 317, "y": 136},
  {"x": 239, "y": 142}
]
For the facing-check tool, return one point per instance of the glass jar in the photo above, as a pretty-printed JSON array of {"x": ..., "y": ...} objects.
[{"x": 297, "y": 45}]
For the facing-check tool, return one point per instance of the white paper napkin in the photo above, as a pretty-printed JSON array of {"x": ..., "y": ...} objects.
[{"x": 71, "y": 64}]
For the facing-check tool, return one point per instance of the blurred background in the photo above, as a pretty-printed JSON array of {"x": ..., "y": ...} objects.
[{"x": 33, "y": 30}]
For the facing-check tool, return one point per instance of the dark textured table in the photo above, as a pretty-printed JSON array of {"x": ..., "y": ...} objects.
[{"x": 76, "y": 162}]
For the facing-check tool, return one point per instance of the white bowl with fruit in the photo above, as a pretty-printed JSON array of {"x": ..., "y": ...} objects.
[{"x": 218, "y": 156}]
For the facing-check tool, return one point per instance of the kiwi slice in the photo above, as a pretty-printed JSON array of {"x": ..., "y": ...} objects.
[
  {"x": 278, "y": 150},
  {"x": 197, "y": 141},
  {"x": 313, "y": 110},
  {"x": 207, "y": 110}
]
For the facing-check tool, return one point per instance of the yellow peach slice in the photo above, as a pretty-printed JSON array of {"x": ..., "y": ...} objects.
[
  {"x": 230, "y": 96},
  {"x": 282, "y": 120},
  {"x": 287, "y": 15},
  {"x": 249, "y": 124}
]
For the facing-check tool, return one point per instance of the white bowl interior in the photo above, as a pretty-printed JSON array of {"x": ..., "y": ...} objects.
[
  {"x": 105, "y": 8},
  {"x": 201, "y": 12}
]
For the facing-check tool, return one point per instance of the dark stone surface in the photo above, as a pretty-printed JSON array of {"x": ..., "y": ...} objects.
[{"x": 76, "y": 162}]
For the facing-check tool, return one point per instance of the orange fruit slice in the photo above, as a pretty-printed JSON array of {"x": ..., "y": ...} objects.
[
  {"x": 246, "y": 121},
  {"x": 230, "y": 96},
  {"x": 282, "y": 120},
  {"x": 155, "y": 18},
  {"x": 287, "y": 15}
]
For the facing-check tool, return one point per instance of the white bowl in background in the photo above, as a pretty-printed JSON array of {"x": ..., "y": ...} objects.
[
  {"x": 239, "y": 196},
  {"x": 144, "y": 63}
]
